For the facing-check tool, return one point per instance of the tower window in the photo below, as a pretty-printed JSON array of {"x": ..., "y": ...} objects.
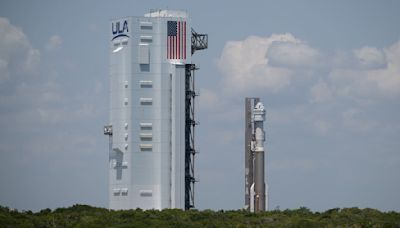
[
  {"x": 146, "y": 101},
  {"x": 146, "y": 147},
  {"x": 146, "y": 25},
  {"x": 146, "y": 39},
  {"x": 146, "y": 84},
  {"x": 146, "y": 126}
]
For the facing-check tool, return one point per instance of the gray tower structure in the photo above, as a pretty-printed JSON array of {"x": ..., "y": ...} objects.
[
  {"x": 256, "y": 191},
  {"x": 151, "y": 128}
]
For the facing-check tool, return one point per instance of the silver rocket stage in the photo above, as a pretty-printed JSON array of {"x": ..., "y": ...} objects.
[{"x": 256, "y": 198}]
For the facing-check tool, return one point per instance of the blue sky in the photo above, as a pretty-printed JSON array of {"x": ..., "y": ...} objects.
[{"x": 328, "y": 73}]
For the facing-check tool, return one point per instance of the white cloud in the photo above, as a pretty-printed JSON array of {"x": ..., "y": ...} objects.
[
  {"x": 370, "y": 57},
  {"x": 342, "y": 87},
  {"x": 265, "y": 63},
  {"x": 378, "y": 76},
  {"x": 245, "y": 65},
  {"x": 16, "y": 53},
  {"x": 54, "y": 43},
  {"x": 292, "y": 54},
  {"x": 268, "y": 64},
  {"x": 388, "y": 78},
  {"x": 34, "y": 102}
]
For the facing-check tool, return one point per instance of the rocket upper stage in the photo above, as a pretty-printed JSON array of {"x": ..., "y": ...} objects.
[
  {"x": 259, "y": 117},
  {"x": 259, "y": 112}
]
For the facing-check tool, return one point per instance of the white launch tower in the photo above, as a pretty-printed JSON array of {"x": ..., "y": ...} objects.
[
  {"x": 256, "y": 190},
  {"x": 151, "y": 128}
]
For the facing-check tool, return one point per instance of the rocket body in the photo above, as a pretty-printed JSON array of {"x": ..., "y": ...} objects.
[
  {"x": 259, "y": 177},
  {"x": 256, "y": 198}
]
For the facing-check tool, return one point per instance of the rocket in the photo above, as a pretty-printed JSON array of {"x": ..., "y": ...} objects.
[{"x": 256, "y": 198}]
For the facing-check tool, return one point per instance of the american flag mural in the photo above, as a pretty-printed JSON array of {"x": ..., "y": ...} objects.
[{"x": 176, "y": 40}]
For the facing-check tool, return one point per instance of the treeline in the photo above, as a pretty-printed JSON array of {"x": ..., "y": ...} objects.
[{"x": 87, "y": 216}]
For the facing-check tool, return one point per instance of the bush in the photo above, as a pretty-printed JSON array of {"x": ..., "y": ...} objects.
[{"x": 87, "y": 216}]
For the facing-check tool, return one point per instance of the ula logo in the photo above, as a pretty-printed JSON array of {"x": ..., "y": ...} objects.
[{"x": 118, "y": 29}]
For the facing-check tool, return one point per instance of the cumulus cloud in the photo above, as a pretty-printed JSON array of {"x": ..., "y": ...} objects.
[
  {"x": 388, "y": 78},
  {"x": 341, "y": 85},
  {"x": 54, "y": 43},
  {"x": 379, "y": 76},
  {"x": 245, "y": 64},
  {"x": 265, "y": 63},
  {"x": 364, "y": 58},
  {"x": 292, "y": 54},
  {"x": 370, "y": 57},
  {"x": 17, "y": 56},
  {"x": 275, "y": 64},
  {"x": 38, "y": 101},
  {"x": 268, "y": 64}
]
